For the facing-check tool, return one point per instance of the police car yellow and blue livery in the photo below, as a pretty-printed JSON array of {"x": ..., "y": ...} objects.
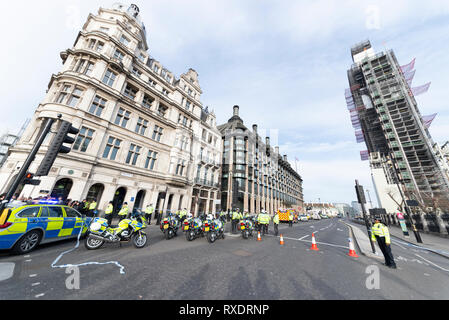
[{"x": 23, "y": 228}]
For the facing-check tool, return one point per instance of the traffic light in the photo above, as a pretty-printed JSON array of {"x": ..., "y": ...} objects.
[
  {"x": 360, "y": 194},
  {"x": 29, "y": 180},
  {"x": 56, "y": 147}
]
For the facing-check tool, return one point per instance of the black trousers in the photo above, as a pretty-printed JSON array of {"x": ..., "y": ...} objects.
[
  {"x": 148, "y": 217},
  {"x": 386, "y": 250},
  {"x": 234, "y": 225},
  {"x": 290, "y": 222},
  {"x": 276, "y": 229},
  {"x": 264, "y": 228},
  {"x": 109, "y": 218}
]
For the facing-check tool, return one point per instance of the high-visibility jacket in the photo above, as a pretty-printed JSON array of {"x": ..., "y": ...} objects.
[
  {"x": 149, "y": 210},
  {"x": 235, "y": 215},
  {"x": 93, "y": 205},
  {"x": 276, "y": 219},
  {"x": 290, "y": 217},
  {"x": 123, "y": 211},
  {"x": 380, "y": 230},
  {"x": 263, "y": 218},
  {"x": 109, "y": 209},
  {"x": 183, "y": 213}
]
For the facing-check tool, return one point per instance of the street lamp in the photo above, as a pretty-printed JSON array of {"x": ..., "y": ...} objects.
[{"x": 407, "y": 209}]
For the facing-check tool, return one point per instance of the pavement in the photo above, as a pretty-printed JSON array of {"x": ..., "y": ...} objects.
[{"x": 433, "y": 243}]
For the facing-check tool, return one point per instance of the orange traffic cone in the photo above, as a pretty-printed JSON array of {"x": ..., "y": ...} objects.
[
  {"x": 351, "y": 250},
  {"x": 258, "y": 237},
  {"x": 314, "y": 246},
  {"x": 282, "y": 240}
]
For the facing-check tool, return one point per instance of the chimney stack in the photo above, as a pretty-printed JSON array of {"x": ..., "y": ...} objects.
[
  {"x": 276, "y": 150},
  {"x": 255, "y": 128},
  {"x": 285, "y": 157},
  {"x": 236, "y": 110}
]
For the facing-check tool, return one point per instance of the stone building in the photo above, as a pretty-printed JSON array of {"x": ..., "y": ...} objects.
[
  {"x": 141, "y": 128},
  {"x": 254, "y": 175}
]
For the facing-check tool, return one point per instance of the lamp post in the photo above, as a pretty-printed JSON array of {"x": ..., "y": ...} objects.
[
  {"x": 407, "y": 209},
  {"x": 361, "y": 199}
]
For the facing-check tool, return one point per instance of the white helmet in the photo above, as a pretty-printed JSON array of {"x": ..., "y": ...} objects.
[
  {"x": 189, "y": 216},
  {"x": 209, "y": 217}
]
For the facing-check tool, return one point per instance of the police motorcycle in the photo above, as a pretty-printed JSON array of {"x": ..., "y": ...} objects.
[
  {"x": 130, "y": 229},
  {"x": 213, "y": 229},
  {"x": 193, "y": 227},
  {"x": 170, "y": 225},
  {"x": 247, "y": 226}
]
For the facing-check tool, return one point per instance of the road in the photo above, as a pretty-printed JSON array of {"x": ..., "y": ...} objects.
[{"x": 229, "y": 269}]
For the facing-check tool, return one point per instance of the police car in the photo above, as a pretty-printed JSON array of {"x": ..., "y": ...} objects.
[{"x": 24, "y": 227}]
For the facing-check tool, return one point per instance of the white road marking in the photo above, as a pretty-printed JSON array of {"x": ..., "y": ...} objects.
[
  {"x": 33, "y": 275},
  {"x": 39, "y": 295},
  {"x": 6, "y": 270},
  {"x": 29, "y": 260},
  {"x": 53, "y": 265},
  {"x": 303, "y": 237},
  {"x": 35, "y": 284},
  {"x": 432, "y": 263},
  {"x": 324, "y": 243}
]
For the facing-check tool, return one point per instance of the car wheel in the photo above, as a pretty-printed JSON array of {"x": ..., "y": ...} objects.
[{"x": 28, "y": 242}]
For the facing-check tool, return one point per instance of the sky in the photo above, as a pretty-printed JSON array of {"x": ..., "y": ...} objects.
[{"x": 283, "y": 62}]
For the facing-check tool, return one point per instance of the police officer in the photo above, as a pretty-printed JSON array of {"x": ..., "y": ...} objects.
[
  {"x": 148, "y": 213},
  {"x": 182, "y": 215},
  {"x": 261, "y": 222},
  {"x": 85, "y": 207},
  {"x": 381, "y": 234},
  {"x": 123, "y": 211},
  {"x": 235, "y": 220},
  {"x": 290, "y": 219},
  {"x": 108, "y": 212},
  {"x": 92, "y": 207},
  {"x": 223, "y": 216},
  {"x": 276, "y": 223},
  {"x": 266, "y": 220}
]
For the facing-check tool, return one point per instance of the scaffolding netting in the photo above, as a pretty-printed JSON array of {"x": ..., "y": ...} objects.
[
  {"x": 427, "y": 120},
  {"x": 408, "y": 67},
  {"x": 364, "y": 155},
  {"x": 359, "y": 136},
  {"x": 409, "y": 77},
  {"x": 421, "y": 89}
]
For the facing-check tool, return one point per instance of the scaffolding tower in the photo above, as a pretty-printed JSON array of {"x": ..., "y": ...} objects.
[{"x": 386, "y": 117}]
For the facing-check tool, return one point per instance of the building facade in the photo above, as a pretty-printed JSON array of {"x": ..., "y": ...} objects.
[
  {"x": 386, "y": 117},
  {"x": 255, "y": 176},
  {"x": 140, "y": 126}
]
